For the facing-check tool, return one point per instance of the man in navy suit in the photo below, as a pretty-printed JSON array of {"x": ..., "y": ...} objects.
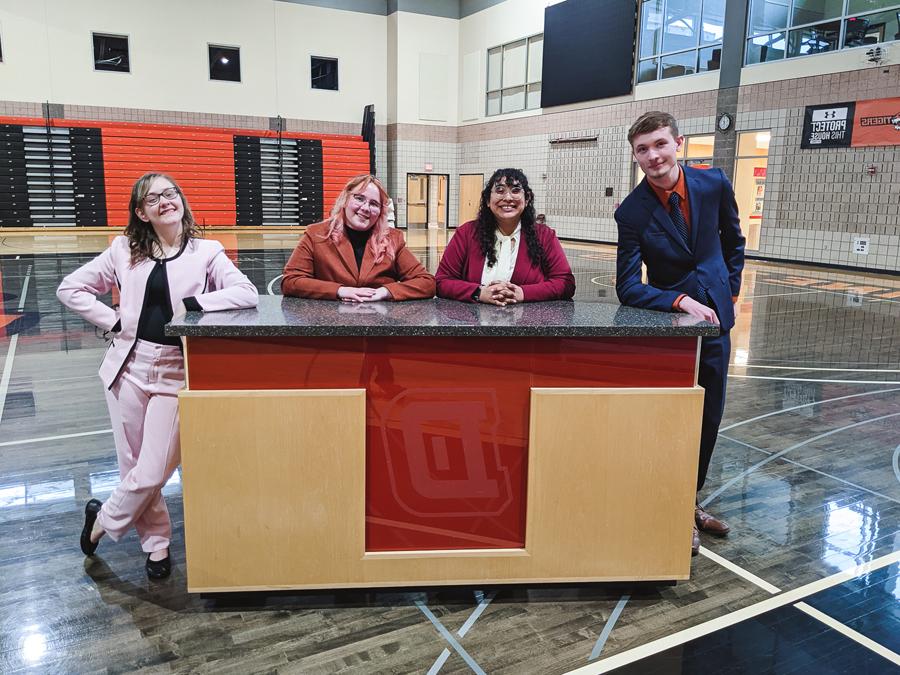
[{"x": 683, "y": 224}]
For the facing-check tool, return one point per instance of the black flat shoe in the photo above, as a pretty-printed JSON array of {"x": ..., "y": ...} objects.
[
  {"x": 159, "y": 569},
  {"x": 91, "y": 509}
]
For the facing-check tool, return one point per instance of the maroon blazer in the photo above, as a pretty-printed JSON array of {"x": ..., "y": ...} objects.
[
  {"x": 317, "y": 268},
  {"x": 459, "y": 272}
]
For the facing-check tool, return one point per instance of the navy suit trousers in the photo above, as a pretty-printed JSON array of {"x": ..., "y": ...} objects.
[{"x": 715, "y": 352}]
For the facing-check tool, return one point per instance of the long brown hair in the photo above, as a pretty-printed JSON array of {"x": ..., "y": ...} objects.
[
  {"x": 141, "y": 235},
  {"x": 380, "y": 241}
]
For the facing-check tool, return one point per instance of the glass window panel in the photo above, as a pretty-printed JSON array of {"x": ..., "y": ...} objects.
[
  {"x": 814, "y": 39},
  {"x": 767, "y": 16},
  {"x": 647, "y": 70},
  {"x": 700, "y": 146},
  {"x": 493, "y": 103},
  {"x": 710, "y": 59},
  {"x": 514, "y": 64},
  {"x": 811, "y": 11},
  {"x": 224, "y": 63},
  {"x": 513, "y": 99},
  {"x": 651, "y": 27},
  {"x": 765, "y": 48},
  {"x": 324, "y": 73},
  {"x": 676, "y": 65},
  {"x": 495, "y": 63},
  {"x": 754, "y": 143},
  {"x": 111, "y": 53},
  {"x": 682, "y": 25},
  {"x": 872, "y": 28},
  {"x": 713, "y": 21},
  {"x": 750, "y": 193},
  {"x": 859, "y": 6},
  {"x": 535, "y": 58},
  {"x": 533, "y": 100}
]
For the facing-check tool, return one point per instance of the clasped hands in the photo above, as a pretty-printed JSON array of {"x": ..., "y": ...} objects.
[
  {"x": 501, "y": 293},
  {"x": 351, "y": 294}
]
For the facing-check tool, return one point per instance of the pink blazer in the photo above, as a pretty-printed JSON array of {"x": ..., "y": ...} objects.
[
  {"x": 202, "y": 271},
  {"x": 459, "y": 272}
]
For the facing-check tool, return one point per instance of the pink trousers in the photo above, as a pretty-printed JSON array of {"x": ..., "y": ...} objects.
[{"x": 143, "y": 408}]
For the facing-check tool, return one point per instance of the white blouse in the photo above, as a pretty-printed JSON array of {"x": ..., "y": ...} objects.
[{"x": 506, "y": 248}]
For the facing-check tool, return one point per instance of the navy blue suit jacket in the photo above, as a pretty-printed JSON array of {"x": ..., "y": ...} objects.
[{"x": 714, "y": 260}]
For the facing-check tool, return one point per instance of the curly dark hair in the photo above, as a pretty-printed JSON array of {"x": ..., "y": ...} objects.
[
  {"x": 141, "y": 235},
  {"x": 486, "y": 224}
]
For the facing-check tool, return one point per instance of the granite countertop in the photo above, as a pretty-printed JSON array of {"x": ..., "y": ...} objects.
[{"x": 280, "y": 316}]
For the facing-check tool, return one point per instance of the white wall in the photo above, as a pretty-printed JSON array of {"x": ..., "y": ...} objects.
[
  {"x": 817, "y": 64},
  {"x": 497, "y": 25},
  {"x": 48, "y": 56},
  {"x": 427, "y": 69}
]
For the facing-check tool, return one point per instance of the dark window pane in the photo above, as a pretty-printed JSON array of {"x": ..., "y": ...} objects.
[
  {"x": 811, "y": 11},
  {"x": 324, "y": 73},
  {"x": 860, "y": 6},
  {"x": 676, "y": 65},
  {"x": 814, "y": 39},
  {"x": 713, "y": 25},
  {"x": 765, "y": 48},
  {"x": 767, "y": 16},
  {"x": 710, "y": 59},
  {"x": 651, "y": 27},
  {"x": 111, "y": 53},
  {"x": 647, "y": 70},
  {"x": 872, "y": 28},
  {"x": 682, "y": 25},
  {"x": 224, "y": 63}
]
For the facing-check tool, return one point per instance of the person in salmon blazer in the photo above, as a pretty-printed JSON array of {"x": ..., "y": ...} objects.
[
  {"x": 355, "y": 256},
  {"x": 161, "y": 269},
  {"x": 505, "y": 256}
]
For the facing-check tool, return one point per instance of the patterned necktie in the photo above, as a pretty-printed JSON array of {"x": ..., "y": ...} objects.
[{"x": 678, "y": 218}]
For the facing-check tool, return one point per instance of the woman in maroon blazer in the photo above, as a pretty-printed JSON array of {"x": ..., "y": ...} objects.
[{"x": 504, "y": 256}]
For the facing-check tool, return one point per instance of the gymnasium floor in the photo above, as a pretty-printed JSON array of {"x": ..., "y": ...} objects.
[{"x": 807, "y": 471}]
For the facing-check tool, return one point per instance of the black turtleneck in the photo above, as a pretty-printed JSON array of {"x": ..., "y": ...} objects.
[{"x": 358, "y": 240}]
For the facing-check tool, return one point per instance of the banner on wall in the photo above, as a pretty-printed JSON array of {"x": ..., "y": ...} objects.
[
  {"x": 828, "y": 126},
  {"x": 877, "y": 122}
]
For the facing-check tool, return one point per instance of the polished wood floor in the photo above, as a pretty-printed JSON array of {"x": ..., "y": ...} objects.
[{"x": 807, "y": 471}]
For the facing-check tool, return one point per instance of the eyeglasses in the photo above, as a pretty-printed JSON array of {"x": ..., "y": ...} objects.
[
  {"x": 502, "y": 190},
  {"x": 152, "y": 198},
  {"x": 360, "y": 199}
]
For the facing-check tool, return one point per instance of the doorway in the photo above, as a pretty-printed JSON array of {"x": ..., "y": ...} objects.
[
  {"x": 470, "y": 185},
  {"x": 427, "y": 202}
]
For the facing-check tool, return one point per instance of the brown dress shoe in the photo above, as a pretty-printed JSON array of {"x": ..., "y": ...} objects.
[
  {"x": 695, "y": 542},
  {"x": 709, "y": 523}
]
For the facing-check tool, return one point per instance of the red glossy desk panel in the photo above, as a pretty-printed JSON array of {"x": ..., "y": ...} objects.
[{"x": 447, "y": 418}]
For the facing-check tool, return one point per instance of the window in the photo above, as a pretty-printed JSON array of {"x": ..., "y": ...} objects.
[
  {"x": 780, "y": 29},
  {"x": 224, "y": 63},
  {"x": 514, "y": 76},
  {"x": 324, "y": 73},
  {"x": 679, "y": 37},
  {"x": 111, "y": 53},
  {"x": 750, "y": 182},
  {"x": 696, "y": 151}
]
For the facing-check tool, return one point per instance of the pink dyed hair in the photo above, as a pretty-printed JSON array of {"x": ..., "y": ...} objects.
[{"x": 380, "y": 240}]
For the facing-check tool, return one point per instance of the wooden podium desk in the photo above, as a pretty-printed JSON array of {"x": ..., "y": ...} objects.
[{"x": 327, "y": 445}]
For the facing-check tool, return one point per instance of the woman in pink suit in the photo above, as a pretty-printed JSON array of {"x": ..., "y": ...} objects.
[
  {"x": 505, "y": 256},
  {"x": 161, "y": 269}
]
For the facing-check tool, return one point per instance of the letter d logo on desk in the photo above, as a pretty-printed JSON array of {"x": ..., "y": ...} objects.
[{"x": 442, "y": 453}]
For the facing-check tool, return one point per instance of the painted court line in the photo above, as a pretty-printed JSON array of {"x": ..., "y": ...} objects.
[
  {"x": 607, "y": 629},
  {"x": 843, "y": 629},
  {"x": 713, "y": 625},
  {"x": 823, "y": 473},
  {"x": 743, "y": 474},
  {"x": 812, "y": 379},
  {"x": 25, "y": 441},
  {"x": 808, "y": 405},
  {"x": 483, "y": 602},
  {"x": 448, "y": 636},
  {"x": 739, "y": 571},
  {"x": 810, "y": 368}
]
